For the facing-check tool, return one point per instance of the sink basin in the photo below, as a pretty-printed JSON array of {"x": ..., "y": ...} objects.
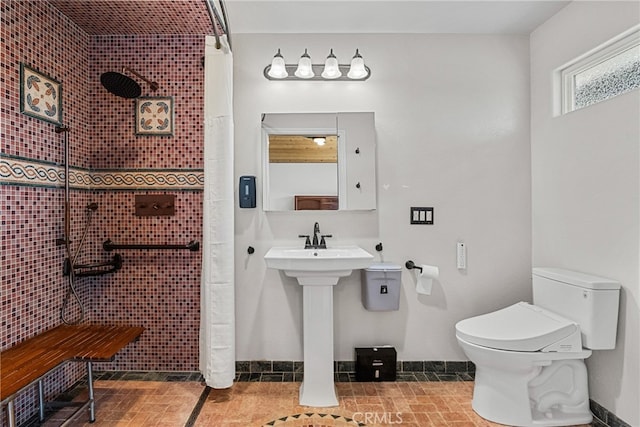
[{"x": 328, "y": 261}]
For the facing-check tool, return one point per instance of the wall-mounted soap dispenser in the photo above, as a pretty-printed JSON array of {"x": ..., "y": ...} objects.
[
  {"x": 381, "y": 287},
  {"x": 247, "y": 191}
]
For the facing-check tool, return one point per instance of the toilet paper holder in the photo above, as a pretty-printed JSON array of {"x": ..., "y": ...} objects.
[{"x": 412, "y": 266}]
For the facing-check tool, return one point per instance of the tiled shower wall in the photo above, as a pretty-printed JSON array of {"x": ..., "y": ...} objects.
[
  {"x": 32, "y": 286},
  {"x": 158, "y": 290}
]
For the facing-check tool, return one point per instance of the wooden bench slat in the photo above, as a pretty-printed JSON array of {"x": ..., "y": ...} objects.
[{"x": 33, "y": 358}]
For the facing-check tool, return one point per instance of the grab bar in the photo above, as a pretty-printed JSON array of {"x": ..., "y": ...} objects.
[
  {"x": 95, "y": 269},
  {"x": 108, "y": 245}
]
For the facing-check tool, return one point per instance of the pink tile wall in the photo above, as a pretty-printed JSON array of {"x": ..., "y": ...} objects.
[
  {"x": 175, "y": 63},
  {"x": 159, "y": 290},
  {"x": 37, "y": 34},
  {"x": 31, "y": 283},
  {"x": 155, "y": 289}
]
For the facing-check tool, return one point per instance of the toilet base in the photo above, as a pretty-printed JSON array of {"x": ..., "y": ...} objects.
[{"x": 529, "y": 388}]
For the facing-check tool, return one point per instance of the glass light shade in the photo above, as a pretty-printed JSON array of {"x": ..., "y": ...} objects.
[
  {"x": 320, "y": 140},
  {"x": 278, "y": 69},
  {"x": 304, "y": 70},
  {"x": 357, "y": 69},
  {"x": 331, "y": 69}
]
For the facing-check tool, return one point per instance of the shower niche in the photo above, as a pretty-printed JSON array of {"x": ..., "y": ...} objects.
[{"x": 318, "y": 161}]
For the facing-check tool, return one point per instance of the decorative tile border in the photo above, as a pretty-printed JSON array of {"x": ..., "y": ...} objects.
[
  {"x": 29, "y": 172},
  {"x": 344, "y": 371},
  {"x": 14, "y": 170},
  {"x": 602, "y": 417},
  {"x": 147, "y": 179}
]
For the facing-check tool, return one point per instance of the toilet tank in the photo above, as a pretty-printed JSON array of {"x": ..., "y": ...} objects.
[{"x": 588, "y": 300}]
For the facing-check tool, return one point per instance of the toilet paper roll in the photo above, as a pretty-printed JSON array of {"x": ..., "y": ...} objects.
[{"x": 425, "y": 278}]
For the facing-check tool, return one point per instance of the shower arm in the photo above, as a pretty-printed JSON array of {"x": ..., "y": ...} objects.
[{"x": 153, "y": 85}]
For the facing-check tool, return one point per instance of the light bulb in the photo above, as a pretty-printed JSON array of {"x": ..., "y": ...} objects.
[
  {"x": 319, "y": 140},
  {"x": 278, "y": 69},
  {"x": 304, "y": 70},
  {"x": 331, "y": 69},
  {"x": 357, "y": 69}
]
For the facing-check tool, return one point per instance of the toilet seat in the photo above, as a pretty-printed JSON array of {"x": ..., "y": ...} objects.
[{"x": 522, "y": 327}]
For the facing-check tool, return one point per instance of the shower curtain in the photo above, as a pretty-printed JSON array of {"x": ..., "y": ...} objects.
[{"x": 217, "y": 313}]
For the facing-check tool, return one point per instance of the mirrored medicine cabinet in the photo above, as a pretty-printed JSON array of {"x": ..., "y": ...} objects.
[{"x": 318, "y": 161}]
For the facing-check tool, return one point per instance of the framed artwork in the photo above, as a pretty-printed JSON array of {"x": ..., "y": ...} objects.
[
  {"x": 40, "y": 95},
  {"x": 154, "y": 115}
]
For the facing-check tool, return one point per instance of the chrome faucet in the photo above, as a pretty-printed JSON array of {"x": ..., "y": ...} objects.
[
  {"x": 316, "y": 231},
  {"x": 314, "y": 244}
]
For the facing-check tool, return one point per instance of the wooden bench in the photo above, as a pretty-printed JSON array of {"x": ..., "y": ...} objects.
[{"x": 29, "y": 361}]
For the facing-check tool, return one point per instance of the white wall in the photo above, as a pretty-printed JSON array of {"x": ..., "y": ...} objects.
[
  {"x": 586, "y": 187},
  {"x": 452, "y": 120}
]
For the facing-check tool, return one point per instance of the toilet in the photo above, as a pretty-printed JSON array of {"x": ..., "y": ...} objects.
[{"x": 529, "y": 358}]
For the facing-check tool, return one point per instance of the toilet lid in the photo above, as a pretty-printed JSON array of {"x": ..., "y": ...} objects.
[{"x": 520, "y": 327}]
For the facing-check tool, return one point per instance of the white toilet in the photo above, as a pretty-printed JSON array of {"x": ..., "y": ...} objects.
[{"x": 529, "y": 359}]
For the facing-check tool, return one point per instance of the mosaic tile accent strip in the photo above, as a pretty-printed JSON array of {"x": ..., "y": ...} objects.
[
  {"x": 31, "y": 173},
  {"x": 17, "y": 171},
  {"x": 165, "y": 179}
]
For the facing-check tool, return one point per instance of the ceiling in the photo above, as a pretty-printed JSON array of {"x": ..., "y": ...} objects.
[
  {"x": 100, "y": 17},
  {"x": 389, "y": 16}
]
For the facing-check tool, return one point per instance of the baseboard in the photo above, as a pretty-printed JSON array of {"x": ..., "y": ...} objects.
[{"x": 602, "y": 417}]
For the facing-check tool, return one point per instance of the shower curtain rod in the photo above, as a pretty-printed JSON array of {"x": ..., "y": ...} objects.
[{"x": 216, "y": 19}]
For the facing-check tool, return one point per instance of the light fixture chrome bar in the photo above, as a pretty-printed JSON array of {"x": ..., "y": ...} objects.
[{"x": 317, "y": 70}]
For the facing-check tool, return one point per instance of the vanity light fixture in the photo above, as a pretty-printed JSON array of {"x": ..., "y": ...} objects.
[
  {"x": 306, "y": 70},
  {"x": 357, "y": 69},
  {"x": 331, "y": 69},
  {"x": 277, "y": 69}
]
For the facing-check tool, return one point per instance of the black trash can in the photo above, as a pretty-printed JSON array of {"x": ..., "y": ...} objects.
[{"x": 376, "y": 364}]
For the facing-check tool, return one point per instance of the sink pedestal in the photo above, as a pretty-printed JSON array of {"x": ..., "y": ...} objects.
[
  {"x": 318, "y": 271},
  {"x": 317, "y": 388}
]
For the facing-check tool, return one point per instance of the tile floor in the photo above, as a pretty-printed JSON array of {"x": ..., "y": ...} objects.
[{"x": 171, "y": 404}]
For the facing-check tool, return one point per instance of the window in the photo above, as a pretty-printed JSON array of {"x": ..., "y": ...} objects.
[{"x": 603, "y": 73}]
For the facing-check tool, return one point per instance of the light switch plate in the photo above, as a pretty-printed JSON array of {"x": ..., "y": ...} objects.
[{"x": 420, "y": 215}]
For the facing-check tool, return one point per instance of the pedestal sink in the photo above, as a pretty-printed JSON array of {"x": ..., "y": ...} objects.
[{"x": 318, "y": 270}]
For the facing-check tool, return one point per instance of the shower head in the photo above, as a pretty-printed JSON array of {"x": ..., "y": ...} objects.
[
  {"x": 124, "y": 86},
  {"x": 120, "y": 85},
  {"x": 92, "y": 206}
]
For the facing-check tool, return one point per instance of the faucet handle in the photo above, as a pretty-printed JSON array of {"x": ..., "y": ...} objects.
[
  {"x": 323, "y": 243},
  {"x": 307, "y": 242}
]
